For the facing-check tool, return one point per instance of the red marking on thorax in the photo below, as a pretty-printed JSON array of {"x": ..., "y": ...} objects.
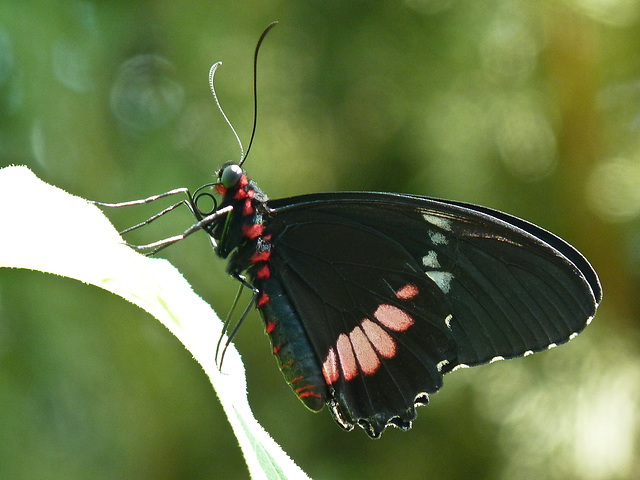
[
  {"x": 263, "y": 273},
  {"x": 260, "y": 257},
  {"x": 242, "y": 190},
  {"x": 252, "y": 231},
  {"x": 248, "y": 208},
  {"x": 220, "y": 189},
  {"x": 407, "y": 292}
]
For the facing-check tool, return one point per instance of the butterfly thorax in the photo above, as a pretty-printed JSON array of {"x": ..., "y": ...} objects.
[{"x": 240, "y": 233}]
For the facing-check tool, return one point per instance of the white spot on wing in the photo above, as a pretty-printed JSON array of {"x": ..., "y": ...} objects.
[
  {"x": 573, "y": 335},
  {"x": 440, "y": 222},
  {"x": 497, "y": 358},
  {"x": 552, "y": 345},
  {"x": 430, "y": 260},
  {"x": 527, "y": 353},
  {"x": 441, "y": 364},
  {"x": 442, "y": 279},
  {"x": 438, "y": 238},
  {"x": 462, "y": 365},
  {"x": 421, "y": 400},
  {"x": 447, "y": 321}
]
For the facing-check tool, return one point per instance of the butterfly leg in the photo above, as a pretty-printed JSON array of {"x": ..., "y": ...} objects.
[
  {"x": 188, "y": 202},
  {"x": 154, "y": 217},
  {"x": 243, "y": 283},
  {"x": 155, "y": 247},
  {"x": 227, "y": 321},
  {"x": 151, "y": 249}
]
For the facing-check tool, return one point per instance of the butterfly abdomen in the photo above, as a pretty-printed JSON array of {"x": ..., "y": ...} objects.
[{"x": 291, "y": 346}]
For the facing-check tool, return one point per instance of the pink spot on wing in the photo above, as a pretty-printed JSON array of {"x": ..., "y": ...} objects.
[
  {"x": 393, "y": 317},
  {"x": 347, "y": 357},
  {"x": 330, "y": 367},
  {"x": 381, "y": 340},
  {"x": 366, "y": 355},
  {"x": 407, "y": 292}
]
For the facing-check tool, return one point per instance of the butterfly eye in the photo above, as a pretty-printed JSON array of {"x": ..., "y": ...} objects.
[{"x": 230, "y": 175}]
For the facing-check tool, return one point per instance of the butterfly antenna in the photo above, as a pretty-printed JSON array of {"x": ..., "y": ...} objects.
[
  {"x": 255, "y": 88},
  {"x": 212, "y": 72}
]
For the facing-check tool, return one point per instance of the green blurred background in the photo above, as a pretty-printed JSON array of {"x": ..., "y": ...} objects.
[{"x": 532, "y": 107}]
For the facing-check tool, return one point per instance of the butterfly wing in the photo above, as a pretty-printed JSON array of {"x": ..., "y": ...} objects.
[{"x": 393, "y": 291}]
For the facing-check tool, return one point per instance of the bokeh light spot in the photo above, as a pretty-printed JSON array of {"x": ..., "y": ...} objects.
[
  {"x": 144, "y": 96},
  {"x": 613, "y": 189}
]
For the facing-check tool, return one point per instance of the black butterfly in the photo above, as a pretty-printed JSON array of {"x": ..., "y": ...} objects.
[{"x": 370, "y": 298}]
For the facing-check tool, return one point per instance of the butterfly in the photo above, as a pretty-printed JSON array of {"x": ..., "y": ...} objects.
[{"x": 370, "y": 298}]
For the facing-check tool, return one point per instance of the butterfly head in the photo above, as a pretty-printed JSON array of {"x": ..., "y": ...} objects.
[{"x": 231, "y": 177}]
